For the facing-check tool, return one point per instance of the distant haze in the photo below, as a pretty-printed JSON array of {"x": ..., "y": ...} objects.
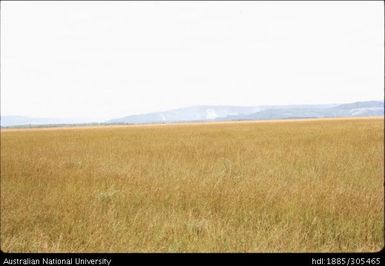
[
  {"x": 105, "y": 60},
  {"x": 207, "y": 113}
]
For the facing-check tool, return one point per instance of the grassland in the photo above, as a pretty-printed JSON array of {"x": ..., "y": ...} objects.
[{"x": 297, "y": 186}]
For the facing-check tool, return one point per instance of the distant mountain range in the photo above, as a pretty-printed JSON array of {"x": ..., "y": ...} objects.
[
  {"x": 236, "y": 113},
  {"x": 221, "y": 113},
  {"x": 194, "y": 113},
  {"x": 372, "y": 108}
]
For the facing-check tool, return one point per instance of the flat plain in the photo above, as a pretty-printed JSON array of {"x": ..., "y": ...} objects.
[{"x": 273, "y": 186}]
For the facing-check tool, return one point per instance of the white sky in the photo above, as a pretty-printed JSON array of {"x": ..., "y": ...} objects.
[{"x": 104, "y": 60}]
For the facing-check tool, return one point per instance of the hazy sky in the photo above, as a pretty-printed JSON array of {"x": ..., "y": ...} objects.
[{"x": 109, "y": 59}]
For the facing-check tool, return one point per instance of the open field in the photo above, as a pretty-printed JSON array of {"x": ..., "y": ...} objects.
[
  {"x": 302, "y": 186},
  {"x": 8, "y": 129}
]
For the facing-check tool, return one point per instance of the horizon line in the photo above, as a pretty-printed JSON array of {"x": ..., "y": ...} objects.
[{"x": 186, "y": 106}]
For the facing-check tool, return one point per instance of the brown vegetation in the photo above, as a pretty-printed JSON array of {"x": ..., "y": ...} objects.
[{"x": 228, "y": 187}]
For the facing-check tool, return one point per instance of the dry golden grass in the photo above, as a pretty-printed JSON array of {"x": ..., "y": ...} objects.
[{"x": 233, "y": 187}]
